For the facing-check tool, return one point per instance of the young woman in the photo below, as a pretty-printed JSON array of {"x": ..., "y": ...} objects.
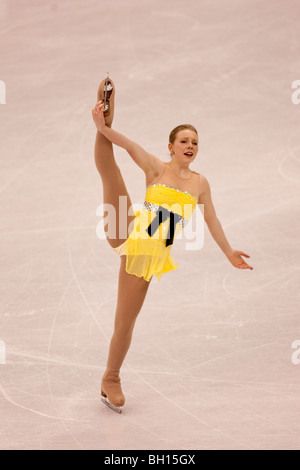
[{"x": 172, "y": 192}]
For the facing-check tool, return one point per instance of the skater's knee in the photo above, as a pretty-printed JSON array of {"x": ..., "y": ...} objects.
[{"x": 123, "y": 329}]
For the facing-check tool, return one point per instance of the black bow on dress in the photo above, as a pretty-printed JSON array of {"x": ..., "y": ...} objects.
[{"x": 162, "y": 215}]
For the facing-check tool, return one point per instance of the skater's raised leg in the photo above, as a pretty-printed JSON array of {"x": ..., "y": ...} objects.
[{"x": 112, "y": 180}]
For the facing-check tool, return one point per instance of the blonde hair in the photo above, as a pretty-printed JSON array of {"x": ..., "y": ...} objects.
[{"x": 177, "y": 129}]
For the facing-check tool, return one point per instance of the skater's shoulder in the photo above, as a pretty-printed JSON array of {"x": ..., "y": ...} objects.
[
  {"x": 204, "y": 189},
  {"x": 199, "y": 178},
  {"x": 156, "y": 171},
  {"x": 158, "y": 165}
]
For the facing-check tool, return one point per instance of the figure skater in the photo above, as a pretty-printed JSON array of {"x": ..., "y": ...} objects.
[{"x": 145, "y": 251}]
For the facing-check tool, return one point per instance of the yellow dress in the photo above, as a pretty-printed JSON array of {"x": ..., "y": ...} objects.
[{"x": 165, "y": 212}]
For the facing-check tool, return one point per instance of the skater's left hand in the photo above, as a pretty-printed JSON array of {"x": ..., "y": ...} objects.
[
  {"x": 98, "y": 115},
  {"x": 235, "y": 258}
]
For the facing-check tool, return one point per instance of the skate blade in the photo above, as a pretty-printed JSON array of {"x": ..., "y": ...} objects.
[
  {"x": 106, "y": 89},
  {"x": 117, "y": 409}
]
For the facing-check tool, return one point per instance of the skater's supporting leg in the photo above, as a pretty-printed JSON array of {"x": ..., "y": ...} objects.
[{"x": 132, "y": 292}]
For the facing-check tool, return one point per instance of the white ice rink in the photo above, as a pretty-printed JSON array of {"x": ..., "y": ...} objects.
[{"x": 211, "y": 365}]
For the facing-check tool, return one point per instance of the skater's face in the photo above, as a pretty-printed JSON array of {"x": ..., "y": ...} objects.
[{"x": 185, "y": 147}]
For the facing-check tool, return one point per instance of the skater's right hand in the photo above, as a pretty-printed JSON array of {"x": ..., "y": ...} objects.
[{"x": 98, "y": 115}]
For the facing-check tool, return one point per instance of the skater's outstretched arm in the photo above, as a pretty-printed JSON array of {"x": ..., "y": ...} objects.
[
  {"x": 216, "y": 230},
  {"x": 144, "y": 159}
]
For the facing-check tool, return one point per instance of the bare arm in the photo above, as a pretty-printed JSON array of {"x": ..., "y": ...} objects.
[
  {"x": 145, "y": 160},
  {"x": 216, "y": 230},
  {"x": 212, "y": 220}
]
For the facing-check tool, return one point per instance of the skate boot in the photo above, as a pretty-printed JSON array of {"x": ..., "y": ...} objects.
[
  {"x": 106, "y": 93},
  {"x": 111, "y": 392}
]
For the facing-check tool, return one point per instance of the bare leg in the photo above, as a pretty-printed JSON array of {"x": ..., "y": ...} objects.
[
  {"x": 131, "y": 295},
  {"x": 112, "y": 180}
]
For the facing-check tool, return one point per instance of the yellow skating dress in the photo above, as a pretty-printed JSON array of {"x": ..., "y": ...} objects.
[{"x": 165, "y": 212}]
